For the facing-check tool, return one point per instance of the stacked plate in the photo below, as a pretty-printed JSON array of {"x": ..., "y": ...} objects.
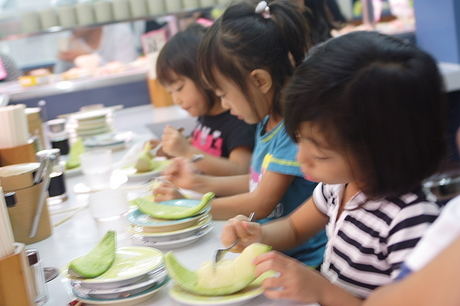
[
  {"x": 113, "y": 141},
  {"x": 91, "y": 123},
  {"x": 136, "y": 274},
  {"x": 169, "y": 234}
]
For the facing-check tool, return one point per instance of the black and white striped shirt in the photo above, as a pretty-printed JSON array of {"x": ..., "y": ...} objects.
[
  {"x": 12, "y": 70},
  {"x": 367, "y": 244}
]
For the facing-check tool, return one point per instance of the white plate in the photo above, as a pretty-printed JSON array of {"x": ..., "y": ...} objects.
[
  {"x": 238, "y": 298},
  {"x": 108, "y": 139},
  {"x": 127, "y": 301},
  {"x": 171, "y": 244},
  {"x": 73, "y": 172},
  {"x": 91, "y": 115},
  {"x": 130, "y": 265},
  {"x": 154, "y": 278},
  {"x": 137, "y": 217},
  {"x": 178, "y": 234},
  {"x": 92, "y": 132},
  {"x": 133, "y": 175}
]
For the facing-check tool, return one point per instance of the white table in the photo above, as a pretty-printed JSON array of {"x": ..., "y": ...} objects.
[{"x": 81, "y": 233}]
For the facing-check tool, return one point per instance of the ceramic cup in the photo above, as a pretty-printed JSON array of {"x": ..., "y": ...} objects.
[
  {"x": 67, "y": 16},
  {"x": 190, "y": 4},
  {"x": 103, "y": 11},
  {"x": 173, "y": 5},
  {"x": 121, "y": 9},
  {"x": 207, "y": 3},
  {"x": 156, "y": 7},
  {"x": 30, "y": 22},
  {"x": 48, "y": 18},
  {"x": 85, "y": 14},
  {"x": 138, "y": 8},
  {"x": 97, "y": 167}
]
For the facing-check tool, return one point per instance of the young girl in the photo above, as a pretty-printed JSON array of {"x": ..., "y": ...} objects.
[
  {"x": 246, "y": 58},
  {"x": 225, "y": 141},
  {"x": 367, "y": 113},
  {"x": 435, "y": 266}
]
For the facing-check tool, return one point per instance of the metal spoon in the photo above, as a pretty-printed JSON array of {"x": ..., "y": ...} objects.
[{"x": 221, "y": 252}]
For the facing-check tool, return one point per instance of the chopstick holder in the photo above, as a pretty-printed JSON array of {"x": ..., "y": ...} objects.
[
  {"x": 16, "y": 283},
  {"x": 6, "y": 232}
]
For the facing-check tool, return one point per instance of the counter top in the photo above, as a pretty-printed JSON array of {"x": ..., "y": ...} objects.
[
  {"x": 18, "y": 93},
  {"x": 81, "y": 232}
]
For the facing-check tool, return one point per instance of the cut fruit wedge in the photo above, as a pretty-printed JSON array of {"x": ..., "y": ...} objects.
[
  {"x": 227, "y": 277},
  {"x": 97, "y": 261},
  {"x": 174, "y": 209}
]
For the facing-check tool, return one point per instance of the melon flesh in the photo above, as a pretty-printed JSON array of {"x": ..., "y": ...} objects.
[
  {"x": 97, "y": 261},
  {"x": 228, "y": 277}
]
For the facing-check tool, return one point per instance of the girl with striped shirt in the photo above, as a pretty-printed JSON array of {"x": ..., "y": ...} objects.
[{"x": 367, "y": 113}]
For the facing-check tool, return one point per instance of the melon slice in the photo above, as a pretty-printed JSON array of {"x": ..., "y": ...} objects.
[
  {"x": 174, "y": 209},
  {"x": 76, "y": 149},
  {"x": 97, "y": 261},
  {"x": 229, "y": 276}
]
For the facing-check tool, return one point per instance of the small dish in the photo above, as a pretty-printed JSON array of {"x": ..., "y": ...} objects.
[
  {"x": 172, "y": 244},
  {"x": 73, "y": 172},
  {"x": 205, "y": 220},
  {"x": 127, "y": 301},
  {"x": 133, "y": 174},
  {"x": 241, "y": 297},
  {"x": 130, "y": 265},
  {"x": 150, "y": 280},
  {"x": 153, "y": 225},
  {"x": 108, "y": 139},
  {"x": 91, "y": 115}
]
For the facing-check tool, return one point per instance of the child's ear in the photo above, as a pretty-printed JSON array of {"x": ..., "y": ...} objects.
[{"x": 262, "y": 79}]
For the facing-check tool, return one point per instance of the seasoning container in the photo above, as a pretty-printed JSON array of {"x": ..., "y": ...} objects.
[
  {"x": 40, "y": 291},
  {"x": 58, "y": 135},
  {"x": 57, "y": 192}
]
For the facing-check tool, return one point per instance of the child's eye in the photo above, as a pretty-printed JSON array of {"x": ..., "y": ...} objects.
[
  {"x": 321, "y": 157},
  {"x": 180, "y": 88}
]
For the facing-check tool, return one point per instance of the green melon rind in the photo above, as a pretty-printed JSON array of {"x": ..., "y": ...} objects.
[
  {"x": 155, "y": 209},
  {"x": 97, "y": 261},
  {"x": 243, "y": 276},
  {"x": 76, "y": 149}
]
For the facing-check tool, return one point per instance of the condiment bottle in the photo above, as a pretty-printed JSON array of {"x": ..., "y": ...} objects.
[
  {"x": 56, "y": 189},
  {"x": 38, "y": 277},
  {"x": 58, "y": 135}
]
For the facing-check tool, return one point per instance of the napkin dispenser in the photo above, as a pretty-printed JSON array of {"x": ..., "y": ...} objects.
[
  {"x": 20, "y": 180},
  {"x": 16, "y": 285}
]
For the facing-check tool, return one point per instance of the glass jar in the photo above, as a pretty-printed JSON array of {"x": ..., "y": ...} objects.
[
  {"x": 58, "y": 135},
  {"x": 56, "y": 190}
]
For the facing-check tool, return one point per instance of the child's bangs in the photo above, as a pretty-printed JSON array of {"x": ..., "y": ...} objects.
[{"x": 165, "y": 72}]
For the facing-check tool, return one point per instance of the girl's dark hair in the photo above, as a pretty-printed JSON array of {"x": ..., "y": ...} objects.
[
  {"x": 241, "y": 40},
  {"x": 178, "y": 58},
  {"x": 318, "y": 19},
  {"x": 380, "y": 101}
]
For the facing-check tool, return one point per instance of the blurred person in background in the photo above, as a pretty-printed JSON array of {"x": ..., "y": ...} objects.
[
  {"x": 9, "y": 71},
  {"x": 111, "y": 43}
]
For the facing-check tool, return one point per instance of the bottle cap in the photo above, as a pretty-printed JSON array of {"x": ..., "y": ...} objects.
[{"x": 10, "y": 199}]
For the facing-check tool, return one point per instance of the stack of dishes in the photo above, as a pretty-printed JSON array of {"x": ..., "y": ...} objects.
[
  {"x": 168, "y": 234},
  {"x": 91, "y": 123},
  {"x": 136, "y": 275},
  {"x": 113, "y": 141}
]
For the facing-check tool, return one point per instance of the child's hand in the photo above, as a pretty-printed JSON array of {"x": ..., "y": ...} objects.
[
  {"x": 174, "y": 142},
  {"x": 239, "y": 227},
  {"x": 295, "y": 281},
  {"x": 182, "y": 173},
  {"x": 167, "y": 191},
  {"x": 156, "y": 142}
]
